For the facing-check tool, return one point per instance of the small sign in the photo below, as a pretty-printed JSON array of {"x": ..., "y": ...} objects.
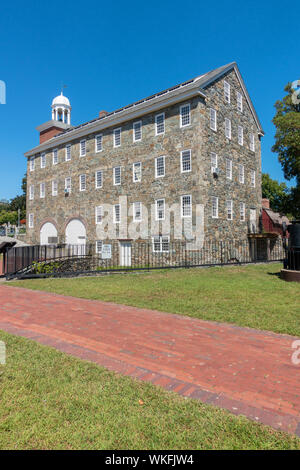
[{"x": 106, "y": 251}]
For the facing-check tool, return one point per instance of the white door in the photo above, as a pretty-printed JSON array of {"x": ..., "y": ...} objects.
[
  {"x": 48, "y": 234},
  {"x": 76, "y": 236},
  {"x": 125, "y": 253},
  {"x": 252, "y": 220}
]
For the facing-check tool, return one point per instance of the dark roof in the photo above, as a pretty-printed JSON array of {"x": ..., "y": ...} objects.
[
  {"x": 276, "y": 217},
  {"x": 202, "y": 81}
]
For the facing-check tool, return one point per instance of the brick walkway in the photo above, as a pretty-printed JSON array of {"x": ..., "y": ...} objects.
[{"x": 246, "y": 371}]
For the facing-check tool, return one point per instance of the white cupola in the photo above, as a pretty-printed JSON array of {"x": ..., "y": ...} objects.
[{"x": 61, "y": 109}]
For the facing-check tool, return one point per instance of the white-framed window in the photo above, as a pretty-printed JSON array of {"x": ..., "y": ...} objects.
[
  {"x": 228, "y": 169},
  {"x": 98, "y": 179},
  {"x": 239, "y": 101},
  {"x": 186, "y": 205},
  {"x": 213, "y": 119},
  {"x": 42, "y": 190},
  {"x": 227, "y": 128},
  {"x": 186, "y": 161},
  {"x": 43, "y": 160},
  {"x": 161, "y": 244},
  {"x": 31, "y": 192},
  {"x": 137, "y": 172},
  {"x": 98, "y": 143},
  {"x": 252, "y": 143},
  {"x": 117, "y": 175},
  {"x": 213, "y": 161},
  {"x": 229, "y": 210},
  {"x": 242, "y": 211},
  {"x": 68, "y": 153},
  {"x": 137, "y": 211},
  {"x": 54, "y": 188},
  {"x": 160, "y": 167},
  {"x": 31, "y": 221},
  {"x": 99, "y": 244},
  {"x": 160, "y": 124},
  {"x": 160, "y": 209},
  {"x": 82, "y": 182},
  {"x": 240, "y": 135},
  {"x": 68, "y": 184},
  {"x": 185, "y": 115},
  {"x": 82, "y": 148},
  {"x": 226, "y": 92},
  {"x": 31, "y": 163},
  {"x": 117, "y": 137},
  {"x": 252, "y": 178},
  {"x": 241, "y": 174},
  {"x": 137, "y": 131},
  {"x": 55, "y": 157},
  {"x": 215, "y": 207},
  {"x": 98, "y": 214},
  {"x": 117, "y": 213}
]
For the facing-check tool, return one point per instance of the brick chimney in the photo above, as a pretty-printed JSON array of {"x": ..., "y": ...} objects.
[
  {"x": 103, "y": 114},
  {"x": 50, "y": 129},
  {"x": 265, "y": 203}
]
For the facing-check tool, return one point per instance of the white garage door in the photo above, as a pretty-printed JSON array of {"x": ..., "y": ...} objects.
[
  {"x": 76, "y": 236},
  {"x": 48, "y": 234}
]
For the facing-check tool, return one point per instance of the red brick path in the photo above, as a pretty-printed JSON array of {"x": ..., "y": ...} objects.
[{"x": 246, "y": 371}]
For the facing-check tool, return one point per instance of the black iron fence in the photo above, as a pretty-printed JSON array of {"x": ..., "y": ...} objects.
[
  {"x": 292, "y": 260},
  {"x": 73, "y": 260}
]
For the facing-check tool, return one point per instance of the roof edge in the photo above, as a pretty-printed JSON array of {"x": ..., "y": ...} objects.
[{"x": 225, "y": 69}]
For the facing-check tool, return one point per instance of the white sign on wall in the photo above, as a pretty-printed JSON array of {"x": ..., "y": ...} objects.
[{"x": 106, "y": 251}]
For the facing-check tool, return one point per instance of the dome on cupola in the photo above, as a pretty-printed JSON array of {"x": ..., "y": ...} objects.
[
  {"x": 61, "y": 109},
  {"x": 61, "y": 99}
]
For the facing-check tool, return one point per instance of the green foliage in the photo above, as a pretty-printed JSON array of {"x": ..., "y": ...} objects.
[
  {"x": 9, "y": 209},
  {"x": 7, "y": 216},
  {"x": 287, "y": 140},
  {"x": 278, "y": 194},
  {"x": 45, "y": 268}
]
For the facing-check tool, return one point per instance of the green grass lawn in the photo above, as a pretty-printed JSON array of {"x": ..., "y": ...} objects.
[
  {"x": 49, "y": 400},
  {"x": 250, "y": 295}
]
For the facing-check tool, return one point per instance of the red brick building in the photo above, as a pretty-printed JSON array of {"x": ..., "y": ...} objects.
[{"x": 272, "y": 222}]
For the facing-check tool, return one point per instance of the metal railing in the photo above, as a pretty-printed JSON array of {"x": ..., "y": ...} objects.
[
  {"x": 292, "y": 260},
  {"x": 64, "y": 260}
]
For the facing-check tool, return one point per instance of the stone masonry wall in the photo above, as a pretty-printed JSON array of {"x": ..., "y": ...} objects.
[
  {"x": 212, "y": 141},
  {"x": 199, "y": 183}
]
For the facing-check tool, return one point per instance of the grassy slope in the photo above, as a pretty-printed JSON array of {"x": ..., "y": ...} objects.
[
  {"x": 251, "y": 296},
  {"x": 49, "y": 400}
]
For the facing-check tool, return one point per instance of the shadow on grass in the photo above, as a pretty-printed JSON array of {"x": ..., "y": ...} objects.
[{"x": 275, "y": 274}]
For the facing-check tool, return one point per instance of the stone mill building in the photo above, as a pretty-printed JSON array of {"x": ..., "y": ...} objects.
[{"x": 195, "y": 147}]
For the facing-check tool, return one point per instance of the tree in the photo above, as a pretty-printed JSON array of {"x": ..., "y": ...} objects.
[
  {"x": 9, "y": 209},
  {"x": 19, "y": 202},
  {"x": 8, "y": 217},
  {"x": 287, "y": 139},
  {"x": 278, "y": 194}
]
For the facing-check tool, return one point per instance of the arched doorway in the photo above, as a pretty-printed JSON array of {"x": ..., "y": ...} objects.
[
  {"x": 76, "y": 235},
  {"x": 48, "y": 234}
]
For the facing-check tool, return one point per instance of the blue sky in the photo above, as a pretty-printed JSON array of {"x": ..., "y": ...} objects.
[{"x": 113, "y": 53}]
